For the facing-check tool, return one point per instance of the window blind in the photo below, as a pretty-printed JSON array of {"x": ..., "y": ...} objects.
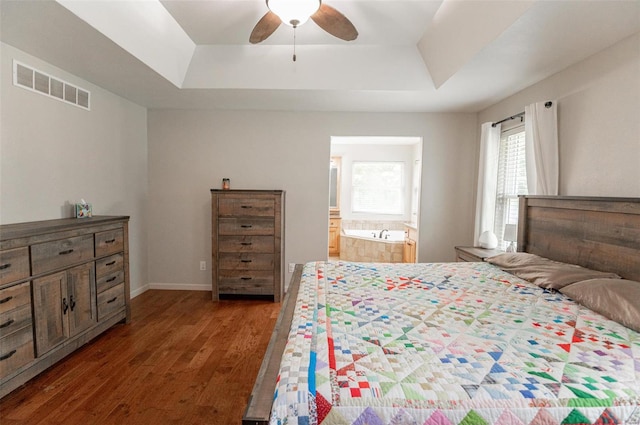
[{"x": 512, "y": 180}]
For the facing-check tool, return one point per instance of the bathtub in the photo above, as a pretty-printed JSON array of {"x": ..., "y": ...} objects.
[
  {"x": 361, "y": 245},
  {"x": 388, "y": 236}
]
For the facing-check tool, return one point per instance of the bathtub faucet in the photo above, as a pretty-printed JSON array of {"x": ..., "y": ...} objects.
[{"x": 382, "y": 232}]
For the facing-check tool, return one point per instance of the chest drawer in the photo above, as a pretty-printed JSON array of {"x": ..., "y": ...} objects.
[
  {"x": 109, "y": 280},
  {"x": 15, "y": 319},
  {"x": 109, "y": 242},
  {"x": 14, "y": 264},
  {"x": 16, "y": 350},
  {"x": 110, "y": 301},
  {"x": 262, "y": 244},
  {"x": 57, "y": 254},
  {"x": 246, "y": 226},
  {"x": 246, "y": 261},
  {"x": 254, "y": 207},
  {"x": 246, "y": 282},
  {"x": 15, "y": 297},
  {"x": 109, "y": 265}
]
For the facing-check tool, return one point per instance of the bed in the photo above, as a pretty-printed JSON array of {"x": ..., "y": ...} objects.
[{"x": 461, "y": 343}]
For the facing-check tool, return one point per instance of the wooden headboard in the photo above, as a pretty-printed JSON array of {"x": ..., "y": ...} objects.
[{"x": 597, "y": 233}]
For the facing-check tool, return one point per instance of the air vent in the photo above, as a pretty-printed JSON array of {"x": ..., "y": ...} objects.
[{"x": 39, "y": 82}]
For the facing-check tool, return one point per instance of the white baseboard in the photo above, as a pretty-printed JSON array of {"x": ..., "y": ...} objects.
[
  {"x": 179, "y": 287},
  {"x": 139, "y": 291}
]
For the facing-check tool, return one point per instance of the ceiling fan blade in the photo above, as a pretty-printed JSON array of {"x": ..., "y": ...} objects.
[
  {"x": 265, "y": 27},
  {"x": 335, "y": 23}
]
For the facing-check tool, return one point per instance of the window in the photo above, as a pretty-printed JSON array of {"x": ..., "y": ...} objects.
[
  {"x": 377, "y": 187},
  {"x": 512, "y": 180}
]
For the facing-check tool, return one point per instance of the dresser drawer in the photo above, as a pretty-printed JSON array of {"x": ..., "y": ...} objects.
[
  {"x": 246, "y": 282},
  {"x": 110, "y": 280},
  {"x": 261, "y": 244},
  {"x": 15, "y": 297},
  {"x": 254, "y": 207},
  {"x": 14, "y": 264},
  {"x": 57, "y": 254},
  {"x": 109, "y": 242},
  {"x": 110, "y": 301},
  {"x": 245, "y": 261},
  {"x": 246, "y": 226},
  {"x": 109, "y": 265},
  {"x": 15, "y": 319},
  {"x": 16, "y": 350}
]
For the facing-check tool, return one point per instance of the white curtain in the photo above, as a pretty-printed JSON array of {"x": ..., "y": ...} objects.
[
  {"x": 541, "y": 141},
  {"x": 487, "y": 179}
]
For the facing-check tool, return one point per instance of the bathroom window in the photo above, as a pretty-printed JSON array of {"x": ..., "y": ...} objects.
[{"x": 377, "y": 187}]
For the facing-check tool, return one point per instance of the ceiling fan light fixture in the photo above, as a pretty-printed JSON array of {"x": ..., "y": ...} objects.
[{"x": 294, "y": 12}]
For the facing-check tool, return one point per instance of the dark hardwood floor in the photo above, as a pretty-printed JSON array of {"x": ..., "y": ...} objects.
[{"x": 183, "y": 359}]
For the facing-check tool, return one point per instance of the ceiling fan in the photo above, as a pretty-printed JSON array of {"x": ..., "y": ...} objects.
[{"x": 296, "y": 12}]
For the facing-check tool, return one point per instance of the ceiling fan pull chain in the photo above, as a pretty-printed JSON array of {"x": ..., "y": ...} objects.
[{"x": 294, "y": 42}]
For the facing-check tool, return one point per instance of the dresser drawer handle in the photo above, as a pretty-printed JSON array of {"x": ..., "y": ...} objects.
[
  {"x": 246, "y": 226},
  {"x": 68, "y": 251},
  {"x": 110, "y": 263},
  {"x": 110, "y": 241},
  {"x": 9, "y": 354},
  {"x": 246, "y": 261},
  {"x": 112, "y": 300},
  {"x": 6, "y": 300},
  {"x": 7, "y": 323},
  {"x": 246, "y": 244},
  {"x": 5, "y": 266},
  {"x": 246, "y": 278},
  {"x": 246, "y": 206},
  {"x": 111, "y": 279}
]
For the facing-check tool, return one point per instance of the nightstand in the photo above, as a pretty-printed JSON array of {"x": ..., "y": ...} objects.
[{"x": 475, "y": 253}]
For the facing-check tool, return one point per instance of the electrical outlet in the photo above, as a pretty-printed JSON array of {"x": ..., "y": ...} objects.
[
  {"x": 292, "y": 266},
  {"x": 203, "y": 265}
]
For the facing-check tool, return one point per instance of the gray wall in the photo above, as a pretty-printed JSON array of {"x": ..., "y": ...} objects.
[
  {"x": 598, "y": 120},
  {"x": 53, "y": 154},
  {"x": 191, "y": 151}
]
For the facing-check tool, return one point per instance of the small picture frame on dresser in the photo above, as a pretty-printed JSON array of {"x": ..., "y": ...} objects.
[{"x": 83, "y": 210}]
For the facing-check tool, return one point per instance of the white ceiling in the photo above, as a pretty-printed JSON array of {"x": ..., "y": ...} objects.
[{"x": 410, "y": 56}]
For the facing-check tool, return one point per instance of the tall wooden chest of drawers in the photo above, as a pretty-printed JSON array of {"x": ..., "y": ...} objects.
[
  {"x": 62, "y": 283},
  {"x": 247, "y": 242}
]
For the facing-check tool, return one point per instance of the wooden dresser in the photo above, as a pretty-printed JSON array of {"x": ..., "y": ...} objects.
[
  {"x": 247, "y": 242},
  {"x": 62, "y": 283}
]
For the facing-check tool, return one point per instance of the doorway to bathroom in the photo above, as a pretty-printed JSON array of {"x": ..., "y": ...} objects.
[{"x": 374, "y": 199}]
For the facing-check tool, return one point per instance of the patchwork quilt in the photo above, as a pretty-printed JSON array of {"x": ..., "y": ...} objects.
[{"x": 450, "y": 344}]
